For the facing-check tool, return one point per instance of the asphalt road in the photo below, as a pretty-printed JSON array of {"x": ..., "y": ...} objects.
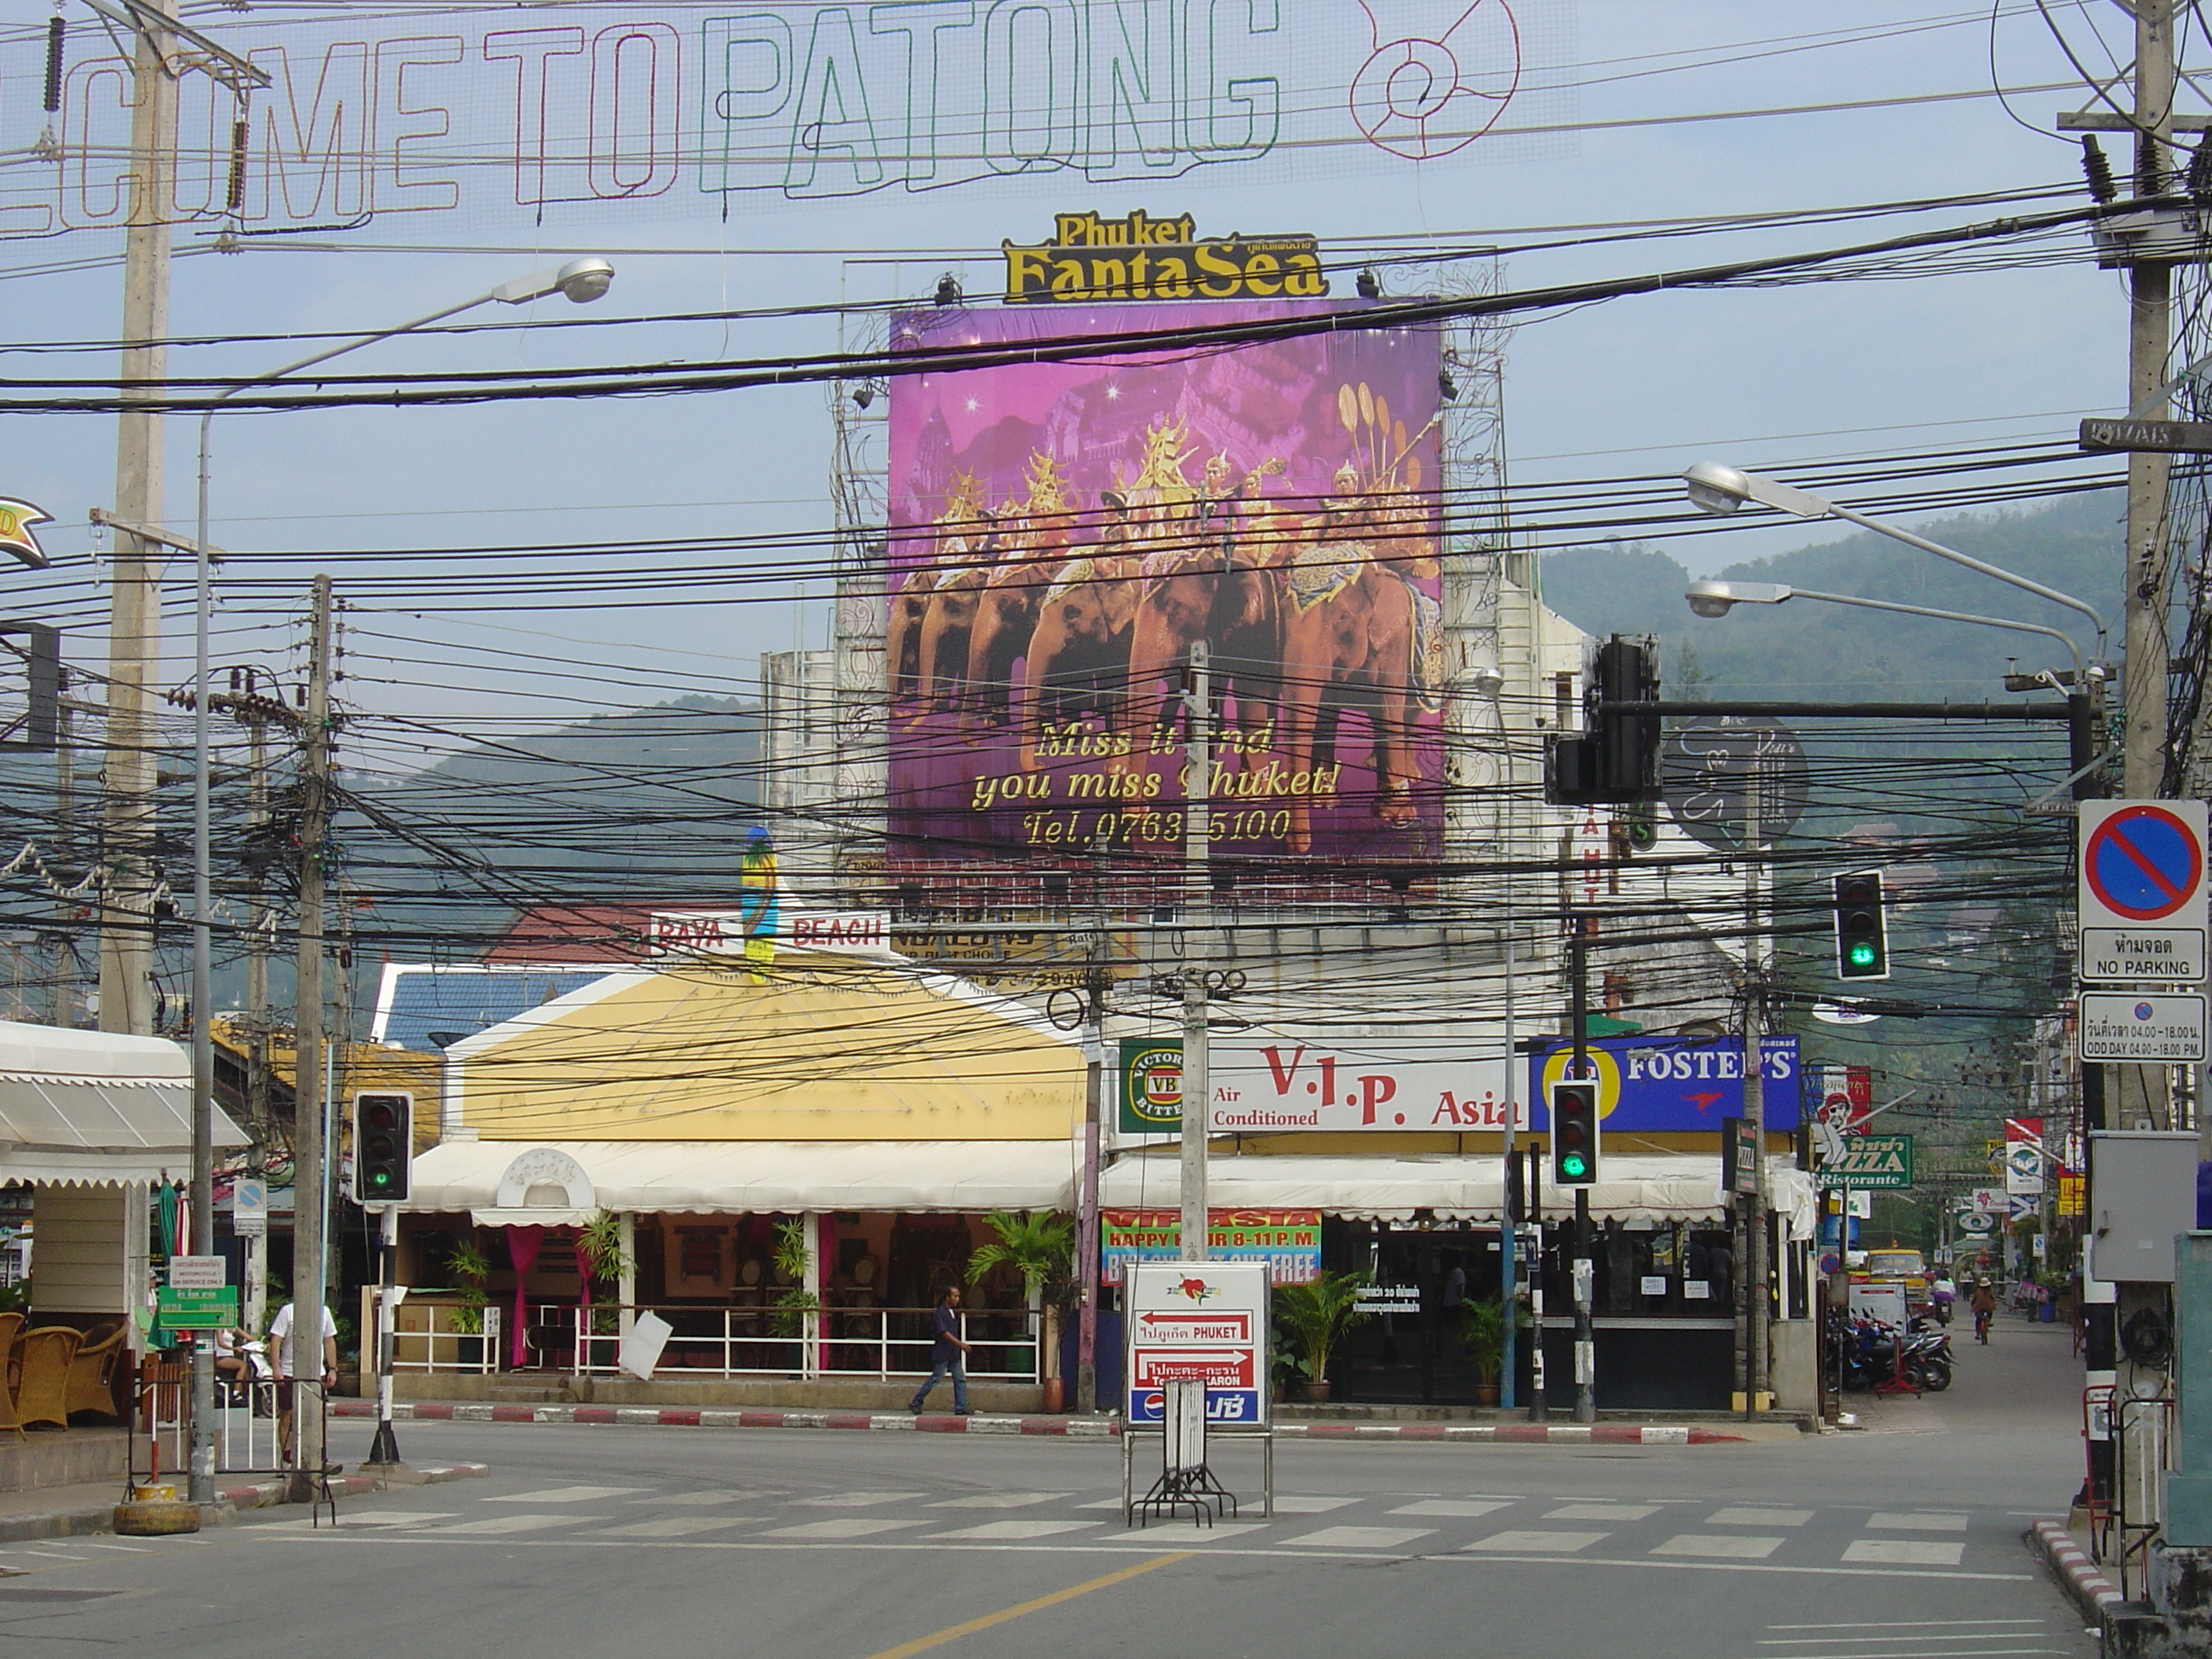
[{"x": 1902, "y": 1541}]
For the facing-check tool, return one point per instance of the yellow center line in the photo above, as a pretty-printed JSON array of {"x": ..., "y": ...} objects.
[{"x": 923, "y": 1643}]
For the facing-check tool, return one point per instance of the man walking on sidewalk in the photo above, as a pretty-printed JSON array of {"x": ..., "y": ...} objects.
[{"x": 946, "y": 1350}]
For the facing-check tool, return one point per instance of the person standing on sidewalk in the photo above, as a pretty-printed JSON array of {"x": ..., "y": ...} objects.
[
  {"x": 947, "y": 1350},
  {"x": 294, "y": 1359}
]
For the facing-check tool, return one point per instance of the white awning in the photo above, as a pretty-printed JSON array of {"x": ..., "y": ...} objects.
[
  {"x": 94, "y": 1109},
  {"x": 559, "y": 1183},
  {"x": 1452, "y": 1188}
]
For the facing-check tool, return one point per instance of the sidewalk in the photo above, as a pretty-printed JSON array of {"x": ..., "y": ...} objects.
[
  {"x": 1082, "y": 1428},
  {"x": 74, "y": 1511}
]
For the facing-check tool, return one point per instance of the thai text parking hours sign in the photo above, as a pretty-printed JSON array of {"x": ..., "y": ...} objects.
[{"x": 2141, "y": 891}]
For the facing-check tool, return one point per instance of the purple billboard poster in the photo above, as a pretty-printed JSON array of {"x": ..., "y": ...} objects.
[{"x": 1064, "y": 533}]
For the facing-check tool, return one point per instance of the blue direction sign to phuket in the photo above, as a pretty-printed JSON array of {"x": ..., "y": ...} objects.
[{"x": 2141, "y": 891}]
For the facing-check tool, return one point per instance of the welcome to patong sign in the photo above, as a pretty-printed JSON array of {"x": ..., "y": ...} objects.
[{"x": 489, "y": 111}]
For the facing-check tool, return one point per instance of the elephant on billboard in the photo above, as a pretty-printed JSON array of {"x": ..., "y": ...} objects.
[{"x": 1078, "y": 656}]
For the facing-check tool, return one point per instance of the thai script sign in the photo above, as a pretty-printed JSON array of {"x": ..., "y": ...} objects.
[
  {"x": 1287, "y": 1242},
  {"x": 529, "y": 109},
  {"x": 1673, "y": 1083},
  {"x": 1065, "y": 532},
  {"x": 1139, "y": 258}
]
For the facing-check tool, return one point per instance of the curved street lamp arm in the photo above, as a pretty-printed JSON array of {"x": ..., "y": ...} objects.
[
  {"x": 1972, "y": 563},
  {"x": 2066, "y": 640}
]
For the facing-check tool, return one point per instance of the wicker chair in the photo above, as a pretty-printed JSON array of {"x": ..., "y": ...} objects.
[
  {"x": 10, "y": 1323},
  {"x": 42, "y": 1385},
  {"x": 92, "y": 1372}
]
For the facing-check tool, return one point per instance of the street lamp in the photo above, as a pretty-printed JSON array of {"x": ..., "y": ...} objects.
[
  {"x": 1717, "y": 599},
  {"x": 1721, "y": 489},
  {"x": 581, "y": 281}
]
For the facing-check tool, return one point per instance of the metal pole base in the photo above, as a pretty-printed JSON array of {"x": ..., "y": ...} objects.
[{"x": 384, "y": 1448}]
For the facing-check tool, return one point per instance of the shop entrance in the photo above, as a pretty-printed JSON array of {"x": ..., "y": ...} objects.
[{"x": 1420, "y": 1356}]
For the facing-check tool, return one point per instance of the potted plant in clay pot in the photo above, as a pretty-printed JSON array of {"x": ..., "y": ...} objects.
[
  {"x": 471, "y": 1270},
  {"x": 1040, "y": 1246},
  {"x": 1482, "y": 1329},
  {"x": 1316, "y": 1316}
]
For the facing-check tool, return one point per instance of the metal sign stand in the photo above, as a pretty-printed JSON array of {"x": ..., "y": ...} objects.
[{"x": 1184, "y": 1479}]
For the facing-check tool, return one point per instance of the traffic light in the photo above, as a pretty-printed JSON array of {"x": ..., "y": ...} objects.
[
  {"x": 1616, "y": 760},
  {"x": 1574, "y": 1134},
  {"x": 1862, "y": 935},
  {"x": 383, "y": 1146}
]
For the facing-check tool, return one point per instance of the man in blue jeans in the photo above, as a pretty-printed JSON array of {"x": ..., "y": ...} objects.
[{"x": 945, "y": 1349}]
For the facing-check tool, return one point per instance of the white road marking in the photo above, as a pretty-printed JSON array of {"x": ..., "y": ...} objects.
[
  {"x": 1361, "y": 1538},
  {"x": 1013, "y": 1500},
  {"x": 562, "y": 1495},
  {"x": 856, "y": 1500},
  {"x": 398, "y": 1519},
  {"x": 1757, "y": 1518},
  {"x": 1534, "y": 1541},
  {"x": 1602, "y": 1512},
  {"x": 854, "y": 1528},
  {"x": 1918, "y": 1523},
  {"x": 1918, "y": 1624},
  {"x": 1448, "y": 1506},
  {"x": 1294, "y": 1504},
  {"x": 1004, "y": 1531},
  {"x": 518, "y": 1524},
  {"x": 1905, "y": 1551},
  {"x": 1730, "y": 1546},
  {"x": 724, "y": 1495},
  {"x": 678, "y": 1526}
]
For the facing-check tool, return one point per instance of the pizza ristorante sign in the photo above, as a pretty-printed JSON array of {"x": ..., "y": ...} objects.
[{"x": 1137, "y": 257}]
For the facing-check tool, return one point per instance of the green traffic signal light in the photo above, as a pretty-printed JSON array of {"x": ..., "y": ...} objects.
[
  {"x": 1574, "y": 1166},
  {"x": 1862, "y": 956}
]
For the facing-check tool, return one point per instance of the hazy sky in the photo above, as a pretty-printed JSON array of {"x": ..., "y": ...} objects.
[{"x": 1646, "y": 385}]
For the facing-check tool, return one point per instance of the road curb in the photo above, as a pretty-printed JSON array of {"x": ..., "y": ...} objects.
[
  {"x": 229, "y": 1500},
  {"x": 1071, "y": 1428},
  {"x": 2083, "y": 1580}
]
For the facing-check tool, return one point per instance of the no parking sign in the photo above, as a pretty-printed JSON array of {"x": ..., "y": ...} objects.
[{"x": 2140, "y": 891}]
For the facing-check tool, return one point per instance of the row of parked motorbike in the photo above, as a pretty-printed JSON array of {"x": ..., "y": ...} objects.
[{"x": 1866, "y": 1353}]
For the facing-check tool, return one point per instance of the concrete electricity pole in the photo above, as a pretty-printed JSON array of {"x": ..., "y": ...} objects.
[
  {"x": 309, "y": 1154},
  {"x": 134, "y": 632},
  {"x": 134, "y": 628},
  {"x": 1197, "y": 1084}
]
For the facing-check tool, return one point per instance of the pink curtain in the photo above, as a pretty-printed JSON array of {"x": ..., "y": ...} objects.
[{"x": 522, "y": 1245}]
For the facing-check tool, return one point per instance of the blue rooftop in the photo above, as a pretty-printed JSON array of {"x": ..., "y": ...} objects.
[{"x": 430, "y": 1008}]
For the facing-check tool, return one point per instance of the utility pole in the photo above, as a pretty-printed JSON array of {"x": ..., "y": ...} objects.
[
  {"x": 309, "y": 1153},
  {"x": 1583, "y": 1273},
  {"x": 1087, "y": 1219},
  {"x": 134, "y": 637},
  {"x": 1197, "y": 1086},
  {"x": 1752, "y": 1260}
]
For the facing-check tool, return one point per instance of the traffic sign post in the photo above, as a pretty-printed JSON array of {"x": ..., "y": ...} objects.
[{"x": 2140, "y": 892}]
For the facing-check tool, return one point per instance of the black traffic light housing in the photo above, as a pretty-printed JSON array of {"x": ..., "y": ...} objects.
[
  {"x": 1862, "y": 932},
  {"x": 1574, "y": 1133},
  {"x": 383, "y": 1146},
  {"x": 1616, "y": 762}
]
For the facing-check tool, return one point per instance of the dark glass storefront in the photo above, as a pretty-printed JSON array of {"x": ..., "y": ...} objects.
[{"x": 1665, "y": 1328}]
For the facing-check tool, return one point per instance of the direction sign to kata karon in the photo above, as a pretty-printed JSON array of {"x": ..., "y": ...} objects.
[{"x": 2140, "y": 892}]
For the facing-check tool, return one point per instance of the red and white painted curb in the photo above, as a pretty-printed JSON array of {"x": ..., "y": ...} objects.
[
  {"x": 2080, "y": 1576},
  {"x": 258, "y": 1494},
  {"x": 1072, "y": 1428}
]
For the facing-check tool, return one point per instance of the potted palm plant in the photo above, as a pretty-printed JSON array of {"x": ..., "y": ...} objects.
[
  {"x": 1482, "y": 1328},
  {"x": 1039, "y": 1245},
  {"x": 600, "y": 1259},
  {"x": 795, "y": 1302},
  {"x": 472, "y": 1271},
  {"x": 1318, "y": 1315}
]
